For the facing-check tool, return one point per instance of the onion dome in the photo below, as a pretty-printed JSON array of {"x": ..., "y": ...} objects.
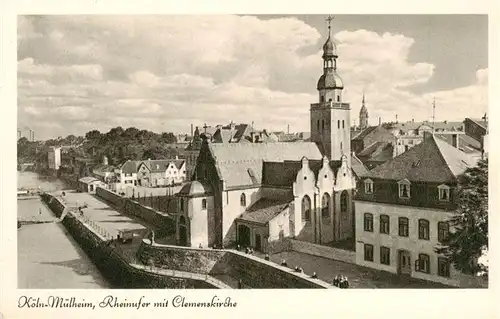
[
  {"x": 330, "y": 80},
  {"x": 329, "y": 48}
]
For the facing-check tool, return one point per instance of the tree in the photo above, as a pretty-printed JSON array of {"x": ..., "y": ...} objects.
[{"x": 468, "y": 239}]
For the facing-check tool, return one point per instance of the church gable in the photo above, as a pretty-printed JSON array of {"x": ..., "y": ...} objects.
[
  {"x": 306, "y": 179},
  {"x": 326, "y": 176},
  {"x": 344, "y": 178}
]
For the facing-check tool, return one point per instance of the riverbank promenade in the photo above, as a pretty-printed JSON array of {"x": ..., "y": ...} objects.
[{"x": 100, "y": 213}]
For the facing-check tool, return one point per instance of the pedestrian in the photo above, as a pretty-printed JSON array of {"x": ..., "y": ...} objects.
[
  {"x": 283, "y": 263},
  {"x": 200, "y": 246},
  {"x": 266, "y": 257},
  {"x": 336, "y": 281},
  {"x": 301, "y": 270},
  {"x": 342, "y": 282},
  {"x": 346, "y": 282},
  {"x": 238, "y": 247},
  {"x": 314, "y": 276},
  {"x": 240, "y": 284},
  {"x": 247, "y": 250}
]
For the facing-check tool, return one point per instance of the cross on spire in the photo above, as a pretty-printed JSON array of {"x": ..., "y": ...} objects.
[{"x": 329, "y": 20}]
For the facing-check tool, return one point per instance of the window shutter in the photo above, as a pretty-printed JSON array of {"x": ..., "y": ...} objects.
[{"x": 417, "y": 265}]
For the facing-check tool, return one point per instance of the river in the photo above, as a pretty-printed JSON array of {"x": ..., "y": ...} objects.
[{"x": 48, "y": 257}]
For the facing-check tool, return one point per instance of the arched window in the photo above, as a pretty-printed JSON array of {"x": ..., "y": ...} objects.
[
  {"x": 338, "y": 124},
  {"x": 343, "y": 124},
  {"x": 443, "y": 231},
  {"x": 384, "y": 224},
  {"x": 318, "y": 125},
  {"x": 322, "y": 99},
  {"x": 325, "y": 205},
  {"x": 203, "y": 203},
  {"x": 182, "y": 204},
  {"x": 243, "y": 200},
  {"x": 338, "y": 98},
  {"x": 322, "y": 124},
  {"x": 306, "y": 209},
  {"x": 343, "y": 202},
  {"x": 403, "y": 226}
]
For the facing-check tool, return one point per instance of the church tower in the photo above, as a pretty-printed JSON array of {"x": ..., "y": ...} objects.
[
  {"x": 363, "y": 115},
  {"x": 330, "y": 118}
]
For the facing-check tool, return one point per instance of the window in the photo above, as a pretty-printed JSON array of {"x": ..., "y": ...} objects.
[
  {"x": 203, "y": 204},
  {"x": 322, "y": 99},
  {"x": 338, "y": 98},
  {"x": 306, "y": 209},
  {"x": 423, "y": 229},
  {"x": 443, "y": 231},
  {"x": 423, "y": 263},
  {"x": 404, "y": 189},
  {"x": 444, "y": 193},
  {"x": 318, "y": 125},
  {"x": 368, "y": 222},
  {"x": 182, "y": 204},
  {"x": 243, "y": 200},
  {"x": 403, "y": 226},
  {"x": 182, "y": 220},
  {"x": 385, "y": 255},
  {"x": 343, "y": 201},
  {"x": 368, "y": 186},
  {"x": 325, "y": 205},
  {"x": 343, "y": 124},
  {"x": 338, "y": 124},
  {"x": 443, "y": 267},
  {"x": 384, "y": 224},
  {"x": 368, "y": 252}
]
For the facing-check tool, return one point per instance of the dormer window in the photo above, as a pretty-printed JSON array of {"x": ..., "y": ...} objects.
[
  {"x": 368, "y": 186},
  {"x": 444, "y": 193},
  {"x": 404, "y": 188}
]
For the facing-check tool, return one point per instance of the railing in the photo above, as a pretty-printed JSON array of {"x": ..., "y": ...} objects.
[{"x": 92, "y": 224}]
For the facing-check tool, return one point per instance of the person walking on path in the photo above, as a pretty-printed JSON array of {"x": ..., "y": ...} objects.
[{"x": 266, "y": 257}]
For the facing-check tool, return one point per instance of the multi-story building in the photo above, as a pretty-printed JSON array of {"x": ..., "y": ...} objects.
[
  {"x": 403, "y": 209},
  {"x": 254, "y": 193},
  {"x": 54, "y": 158},
  {"x": 155, "y": 173}
]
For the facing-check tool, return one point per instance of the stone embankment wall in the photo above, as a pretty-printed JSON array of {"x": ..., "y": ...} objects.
[
  {"x": 252, "y": 271},
  {"x": 164, "y": 224},
  {"x": 110, "y": 263}
]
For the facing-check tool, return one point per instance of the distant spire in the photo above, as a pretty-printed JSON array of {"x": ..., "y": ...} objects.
[
  {"x": 433, "y": 114},
  {"x": 363, "y": 102}
]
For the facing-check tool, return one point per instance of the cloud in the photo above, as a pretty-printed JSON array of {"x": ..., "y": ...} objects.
[{"x": 165, "y": 72}]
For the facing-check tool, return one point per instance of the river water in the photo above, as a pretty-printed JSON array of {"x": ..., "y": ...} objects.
[{"x": 48, "y": 257}]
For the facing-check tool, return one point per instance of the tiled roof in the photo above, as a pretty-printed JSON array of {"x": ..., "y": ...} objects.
[
  {"x": 285, "y": 173},
  {"x": 88, "y": 180},
  {"x": 408, "y": 126},
  {"x": 240, "y": 164},
  {"x": 358, "y": 167},
  {"x": 194, "y": 188},
  {"x": 364, "y": 133},
  {"x": 466, "y": 143},
  {"x": 158, "y": 166},
  {"x": 378, "y": 151},
  {"x": 480, "y": 122},
  {"x": 129, "y": 167},
  {"x": 104, "y": 168},
  {"x": 433, "y": 160},
  {"x": 264, "y": 210},
  {"x": 178, "y": 163}
]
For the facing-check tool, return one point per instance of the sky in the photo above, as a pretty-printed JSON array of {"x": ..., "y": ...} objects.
[{"x": 164, "y": 73}]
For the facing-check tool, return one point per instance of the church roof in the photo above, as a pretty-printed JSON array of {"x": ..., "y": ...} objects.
[
  {"x": 364, "y": 133},
  {"x": 330, "y": 80},
  {"x": 358, "y": 167},
  {"x": 265, "y": 209},
  {"x": 378, "y": 151},
  {"x": 240, "y": 164},
  {"x": 433, "y": 160},
  {"x": 194, "y": 188}
]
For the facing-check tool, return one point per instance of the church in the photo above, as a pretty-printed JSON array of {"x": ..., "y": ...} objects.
[{"x": 252, "y": 194}]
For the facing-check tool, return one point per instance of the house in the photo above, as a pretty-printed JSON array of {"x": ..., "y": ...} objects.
[
  {"x": 126, "y": 175},
  {"x": 154, "y": 173},
  {"x": 89, "y": 184},
  {"x": 255, "y": 193},
  {"x": 104, "y": 172},
  {"x": 402, "y": 211}
]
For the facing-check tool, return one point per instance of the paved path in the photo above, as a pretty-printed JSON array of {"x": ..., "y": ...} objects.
[
  {"x": 101, "y": 213},
  {"x": 359, "y": 277}
]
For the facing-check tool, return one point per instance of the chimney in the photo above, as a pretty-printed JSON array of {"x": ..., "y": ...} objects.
[
  {"x": 413, "y": 120},
  {"x": 380, "y": 121},
  {"x": 454, "y": 141},
  {"x": 176, "y": 157},
  {"x": 192, "y": 132},
  {"x": 396, "y": 119},
  {"x": 288, "y": 129}
]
